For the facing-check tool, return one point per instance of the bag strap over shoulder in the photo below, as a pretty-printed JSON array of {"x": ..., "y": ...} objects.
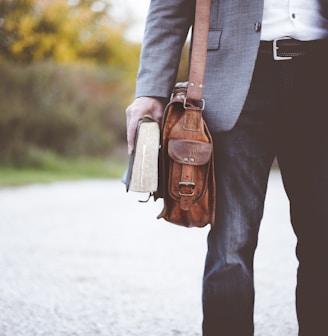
[{"x": 199, "y": 50}]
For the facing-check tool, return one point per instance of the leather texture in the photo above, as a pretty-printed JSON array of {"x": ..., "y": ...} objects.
[
  {"x": 187, "y": 178},
  {"x": 199, "y": 48}
]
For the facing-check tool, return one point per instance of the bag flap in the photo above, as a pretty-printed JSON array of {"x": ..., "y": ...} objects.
[{"x": 190, "y": 152}]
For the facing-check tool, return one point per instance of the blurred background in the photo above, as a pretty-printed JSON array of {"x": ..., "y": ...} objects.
[{"x": 67, "y": 70}]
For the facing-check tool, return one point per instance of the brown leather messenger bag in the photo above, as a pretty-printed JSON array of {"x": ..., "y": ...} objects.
[{"x": 186, "y": 164}]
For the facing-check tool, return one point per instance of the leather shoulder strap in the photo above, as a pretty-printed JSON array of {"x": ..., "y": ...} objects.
[{"x": 199, "y": 50}]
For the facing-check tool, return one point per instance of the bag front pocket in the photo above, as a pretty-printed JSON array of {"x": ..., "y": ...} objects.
[{"x": 189, "y": 168}]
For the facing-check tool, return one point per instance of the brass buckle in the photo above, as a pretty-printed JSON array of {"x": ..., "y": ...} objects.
[
  {"x": 185, "y": 104},
  {"x": 187, "y": 184},
  {"x": 275, "y": 50}
]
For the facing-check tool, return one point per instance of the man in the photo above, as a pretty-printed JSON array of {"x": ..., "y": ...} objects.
[{"x": 266, "y": 97}]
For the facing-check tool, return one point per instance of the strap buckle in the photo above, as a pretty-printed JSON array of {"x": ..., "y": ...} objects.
[
  {"x": 187, "y": 184},
  {"x": 186, "y": 105},
  {"x": 275, "y": 50}
]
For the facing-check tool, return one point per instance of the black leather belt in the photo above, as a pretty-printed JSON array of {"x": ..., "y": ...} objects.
[{"x": 287, "y": 48}]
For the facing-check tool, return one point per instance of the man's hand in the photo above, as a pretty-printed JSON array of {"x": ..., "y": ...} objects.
[{"x": 142, "y": 107}]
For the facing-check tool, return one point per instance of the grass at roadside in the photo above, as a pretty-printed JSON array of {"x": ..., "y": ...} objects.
[{"x": 61, "y": 170}]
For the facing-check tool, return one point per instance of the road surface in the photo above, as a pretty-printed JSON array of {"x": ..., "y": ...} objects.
[{"x": 86, "y": 259}]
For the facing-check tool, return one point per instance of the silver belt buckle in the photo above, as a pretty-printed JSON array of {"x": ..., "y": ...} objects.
[{"x": 275, "y": 50}]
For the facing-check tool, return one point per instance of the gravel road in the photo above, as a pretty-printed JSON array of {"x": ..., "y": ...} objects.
[{"x": 87, "y": 259}]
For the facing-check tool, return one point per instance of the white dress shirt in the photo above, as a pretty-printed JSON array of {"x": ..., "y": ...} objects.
[{"x": 300, "y": 19}]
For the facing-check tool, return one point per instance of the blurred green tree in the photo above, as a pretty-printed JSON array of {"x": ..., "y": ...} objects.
[{"x": 49, "y": 99}]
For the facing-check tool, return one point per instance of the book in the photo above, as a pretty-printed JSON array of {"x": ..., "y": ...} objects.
[{"x": 142, "y": 172}]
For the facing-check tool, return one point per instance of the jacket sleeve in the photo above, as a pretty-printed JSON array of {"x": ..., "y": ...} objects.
[{"x": 167, "y": 26}]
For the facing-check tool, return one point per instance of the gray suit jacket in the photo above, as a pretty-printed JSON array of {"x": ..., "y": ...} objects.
[{"x": 234, "y": 38}]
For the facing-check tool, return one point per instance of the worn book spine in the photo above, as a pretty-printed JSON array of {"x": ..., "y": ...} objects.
[{"x": 142, "y": 173}]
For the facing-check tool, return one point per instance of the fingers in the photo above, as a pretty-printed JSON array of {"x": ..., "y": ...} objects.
[{"x": 140, "y": 108}]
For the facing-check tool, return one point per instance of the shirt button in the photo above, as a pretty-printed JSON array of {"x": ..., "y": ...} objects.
[{"x": 257, "y": 26}]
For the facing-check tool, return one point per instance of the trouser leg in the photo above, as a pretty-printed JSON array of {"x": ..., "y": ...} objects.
[
  {"x": 243, "y": 159},
  {"x": 303, "y": 159}
]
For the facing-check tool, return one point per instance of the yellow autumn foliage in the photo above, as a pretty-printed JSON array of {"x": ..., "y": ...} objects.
[{"x": 64, "y": 32}]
